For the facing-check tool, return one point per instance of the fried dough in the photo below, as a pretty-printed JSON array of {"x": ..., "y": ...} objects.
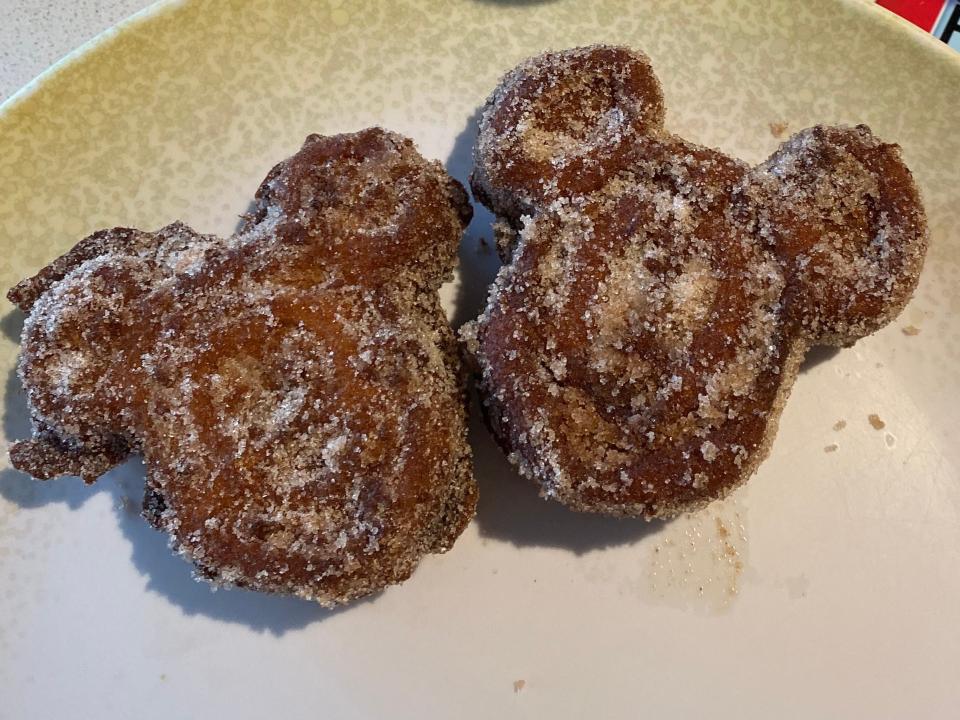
[
  {"x": 295, "y": 389},
  {"x": 658, "y": 297}
]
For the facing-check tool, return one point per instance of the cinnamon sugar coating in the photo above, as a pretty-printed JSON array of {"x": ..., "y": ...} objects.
[
  {"x": 657, "y": 296},
  {"x": 294, "y": 389}
]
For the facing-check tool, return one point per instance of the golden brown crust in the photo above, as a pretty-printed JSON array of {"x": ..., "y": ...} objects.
[
  {"x": 294, "y": 389},
  {"x": 638, "y": 347}
]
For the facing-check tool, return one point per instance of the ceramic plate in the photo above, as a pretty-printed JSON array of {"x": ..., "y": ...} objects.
[{"x": 827, "y": 586}]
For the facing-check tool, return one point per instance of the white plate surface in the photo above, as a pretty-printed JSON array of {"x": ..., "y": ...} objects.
[{"x": 827, "y": 587}]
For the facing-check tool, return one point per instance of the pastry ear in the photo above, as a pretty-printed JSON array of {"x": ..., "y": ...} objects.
[
  {"x": 25, "y": 293},
  {"x": 562, "y": 122},
  {"x": 843, "y": 214},
  {"x": 361, "y": 202}
]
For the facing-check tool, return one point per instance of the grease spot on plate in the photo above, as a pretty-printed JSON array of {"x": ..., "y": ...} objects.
[
  {"x": 797, "y": 587},
  {"x": 698, "y": 560}
]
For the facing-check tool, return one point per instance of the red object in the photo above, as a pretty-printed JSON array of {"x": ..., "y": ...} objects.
[{"x": 922, "y": 13}]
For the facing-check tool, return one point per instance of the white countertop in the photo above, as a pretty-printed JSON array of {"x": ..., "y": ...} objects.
[{"x": 34, "y": 34}]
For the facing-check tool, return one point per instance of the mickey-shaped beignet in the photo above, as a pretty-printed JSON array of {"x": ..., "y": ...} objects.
[
  {"x": 658, "y": 296},
  {"x": 294, "y": 389}
]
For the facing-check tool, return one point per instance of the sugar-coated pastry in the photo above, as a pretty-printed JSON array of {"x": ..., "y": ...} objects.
[
  {"x": 294, "y": 389},
  {"x": 657, "y": 296}
]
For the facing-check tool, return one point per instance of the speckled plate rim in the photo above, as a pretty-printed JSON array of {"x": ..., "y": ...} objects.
[
  {"x": 101, "y": 41},
  {"x": 918, "y": 35},
  {"x": 85, "y": 51}
]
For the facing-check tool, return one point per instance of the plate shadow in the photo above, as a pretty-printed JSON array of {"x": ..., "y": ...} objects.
[
  {"x": 818, "y": 354},
  {"x": 478, "y": 261},
  {"x": 511, "y": 510}
]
